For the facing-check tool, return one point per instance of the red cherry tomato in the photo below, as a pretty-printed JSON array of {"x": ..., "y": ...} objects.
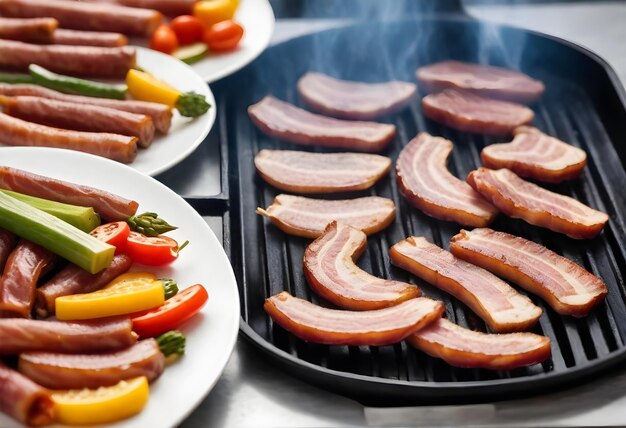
[
  {"x": 151, "y": 250},
  {"x": 172, "y": 313},
  {"x": 223, "y": 36},
  {"x": 114, "y": 234},
  {"x": 188, "y": 29},
  {"x": 164, "y": 40}
]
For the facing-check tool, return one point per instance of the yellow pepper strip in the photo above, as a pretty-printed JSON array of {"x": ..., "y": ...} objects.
[
  {"x": 211, "y": 12},
  {"x": 103, "y": 405},
  {"x": 128, "y": 277},
  {"x": 145, "y": 87}
]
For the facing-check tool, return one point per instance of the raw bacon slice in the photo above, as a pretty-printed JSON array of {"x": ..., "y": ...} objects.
[
  {"x": 536, "y": 155},
  {"x": 353, "y": 100},
  {"x": 461, "y": 347},
  {"x": 337, "y": 327},
  {"x": 469, "y": 112},
  {"x": 287, "y": 122},
  {"x": 330, "y": 269},
  {"x": 308, "y": 217},
  {"x": 501, "y": 307},
  {"x": 426, "y": 182},
  {"x": 306, "y": 172},
  {"x": 519, "y": 198},
  {"x": 485, "y": 80},
  {"x": 568, "y": 288},
  {"x": 23, "y": 399}
]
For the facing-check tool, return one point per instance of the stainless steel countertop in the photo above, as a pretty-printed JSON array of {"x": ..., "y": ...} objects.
[{"x": 255, "y": 393}]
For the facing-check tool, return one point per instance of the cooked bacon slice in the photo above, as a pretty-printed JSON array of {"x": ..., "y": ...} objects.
[
  {"x": 306, "y": 172},
  {"x": 536, "y": 155},
  {"x": 567, "y": 287},
  {"x": 468, "y": 112},
  {"x": 519, "y": 198},
  {"x": 501, "y": 307},
  {"x": 338, "y": 327},
  {"x": 461, "y": 347},
  {"x": 287, "y": 122},
  {"x": 426, "y": 182},
  {"x": 23, "y": 399},
  {"x": 353, "y": 100},
  {"x": 8, "y": 240},
  {"x": 485, "y": 80},
  {"x": 308, "y": 217}
]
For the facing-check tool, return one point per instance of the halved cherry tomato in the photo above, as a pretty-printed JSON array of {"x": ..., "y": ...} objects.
[
  {"x": 114, "y": 234},
  {"x": 172, "y": 313},
  {"x": 151, "y": 250},
  {"x": 223, "y": 36},
  {"x": 188, "y": 29},
  {"x": 164, "y": 40}
]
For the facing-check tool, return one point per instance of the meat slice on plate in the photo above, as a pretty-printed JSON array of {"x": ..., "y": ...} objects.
[
  {"x": 287, "y": 122},
  {"x": 23, "y": 399},
  {"x": 519, "y": 198},
  {"x": 330, "y": 269},
  {"x": 501, "y": 307},
  {"x": 469, "y": 112},
  {"x": 565, "y": 286},
  {"x": 306, "y": 172},
  {"x": 308, "y": 217},
  {"x": 536, "y": 155},
  {"x": 338, "y": 327},
  {"x": 353, "y": 100},
  {"x": 485, "y": 80},
  {"x": 461, "y": 347},
  {"x": 425, "y": 181}
]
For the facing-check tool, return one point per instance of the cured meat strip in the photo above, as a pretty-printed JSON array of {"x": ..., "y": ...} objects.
[
  {"x": 34, "y": 30},
  {"x": 23, "y": 399},
  {"x": 485, "y": 80},
  {"x": 337, "y": 327},
  {"x": 461, "y": 347},
  {"x": 166, "y": 7},
  {"x": 111, "y": 207},
  {"x": 88, "y": 38},
  {"x": 26, "y": 264},
  {"x": 287, "y": 122},
  {"x": 501, "y": 307},
  {"x": 353, "y": 100},
  {"x": 308, "y": 218},
  {"x": 80, "y": 117},
  {"x": 425, "y": 181},
  {"x": 468, "y": 112},
  {"x": 518, "y": 198},
  {"x": 330, "y": 269},
  {"x": 305, "y": 172},
  {"x": 86, "y": 16},
  {"x": 77, "y": 371},
  {"x": 75, "y": 280},
  {"x": 536, "y": 155},
  {"x": 8, "y": 240},
  {"x": 568, "y": 288},
  {"x": 93, "y": 61},
  {"x": 18, "y": 132},
  {"x": 20, "y": 335}
]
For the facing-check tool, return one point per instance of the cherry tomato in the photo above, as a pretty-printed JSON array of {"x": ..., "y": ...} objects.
[
  {"x": 164, "y": 40},
  {"x": 114, "y": 234},
  {"x": 188, "y": 29},
  {"x": 223, "y": 36},
  {"x": 172, "y": 313},
  {"x": 151, "y": 250}
]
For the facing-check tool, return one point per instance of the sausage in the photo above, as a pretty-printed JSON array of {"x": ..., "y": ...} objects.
[
  {"x": 7, "y": 243},
  {"x": 88, "y": 38},
  {"x": 23, "y": 399},
  {"x": 166, "y": 7},
  {"x": 17, "y": 132},
  {"x": 68, "y": 115},
  {"x": 32, "y": 30},
  {"x": 93, "y": 61}
]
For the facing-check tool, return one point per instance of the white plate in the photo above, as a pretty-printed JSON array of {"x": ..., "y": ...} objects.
[{"x": 211, "y": 334}]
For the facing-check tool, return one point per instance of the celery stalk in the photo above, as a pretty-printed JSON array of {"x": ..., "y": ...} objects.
[
  {"x": 84, "y": 218},
  {"x": 54, "y": 234}
]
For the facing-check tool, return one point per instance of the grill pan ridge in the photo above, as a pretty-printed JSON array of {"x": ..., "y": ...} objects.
[{"x": 582, "y": 105}]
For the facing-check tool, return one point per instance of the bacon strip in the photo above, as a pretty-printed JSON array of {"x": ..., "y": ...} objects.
[
  {"x": 518, "y": 198},
  {"x": 35, "y": 30},
  {"x": 305, "y": 172},
  {"x": 89, "y": 38},
  {"x": 353, "y": 100},
  {"x": 285, "y": 121},
  {"x": 23, "y": 399},
  {"x": 473, "y": 113},
  {"x": 425, "y": 181},
  {"x": 485, "y": 80},
  {"x": 536, "y": 155},
  {"x": 501, "y": 307},
  {"x": 308, "y": 218},
  {"x": 166, "y": 7},
  {"x": 76, "y": 371},
  {"x": 567, "y": 287},
  {"x": 461, "y": 347},
  {"x": 337, "y": 327},
  {"x": 8, "y": 240}
]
